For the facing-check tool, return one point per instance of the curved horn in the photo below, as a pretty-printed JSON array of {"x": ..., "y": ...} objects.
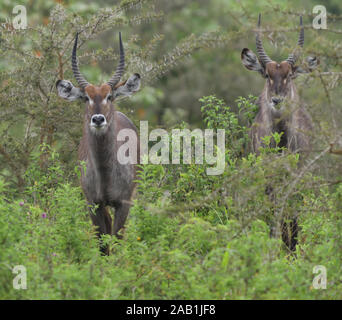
[
  {"x": 80, "y": 79},
  {"x": 120, "y": 68},
  {"x": 294, "y": 56},
  {"x": 263, "y": 57}
]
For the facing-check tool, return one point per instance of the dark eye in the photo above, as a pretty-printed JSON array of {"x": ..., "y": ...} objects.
[
  {"x": 267, "y": 76},
  {"x": 86, "y": 98},
  {"x": 110, "y": 97}
]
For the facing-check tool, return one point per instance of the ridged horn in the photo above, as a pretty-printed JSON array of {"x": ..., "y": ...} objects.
[
  {"x": 75, "y": 69},
  {"x": 294, "y": 56},
  {"x": 263, "y": 57},
  {"x": 120, "y": 68}
]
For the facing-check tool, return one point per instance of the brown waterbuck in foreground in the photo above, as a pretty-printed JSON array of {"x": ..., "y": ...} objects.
[
  {"x": 279, "y": 107},
  {"x": 105, "y": 180}
]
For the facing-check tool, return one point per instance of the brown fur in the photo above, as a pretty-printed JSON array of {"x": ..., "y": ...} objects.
[
  {"x": 106, "y": 182},
  {"x": 101, "y": 91},
  {"x": 280, "y": 110},
  {"x": 294, "y": 121}
]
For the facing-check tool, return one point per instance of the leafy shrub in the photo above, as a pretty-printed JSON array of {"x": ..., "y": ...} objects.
[{"x": 188, "y": 236}]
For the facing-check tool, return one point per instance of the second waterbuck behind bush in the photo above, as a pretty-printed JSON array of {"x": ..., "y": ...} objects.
[{"x": 279, "y": 107}]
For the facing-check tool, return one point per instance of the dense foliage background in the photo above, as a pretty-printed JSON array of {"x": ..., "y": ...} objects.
[{"x": 189, "y": 235}]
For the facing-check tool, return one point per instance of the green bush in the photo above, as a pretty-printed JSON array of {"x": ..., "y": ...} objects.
[{"x": 188, "y": 236}]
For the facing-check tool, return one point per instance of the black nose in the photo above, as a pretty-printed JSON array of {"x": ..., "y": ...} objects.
[
  {"x": 98, "y": 119},
  {"x": 276, "y": 100}
]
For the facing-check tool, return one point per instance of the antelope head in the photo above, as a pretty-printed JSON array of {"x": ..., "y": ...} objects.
[
  {"x": 279, "y": 76},
  {"x": 98, "y": 99}
]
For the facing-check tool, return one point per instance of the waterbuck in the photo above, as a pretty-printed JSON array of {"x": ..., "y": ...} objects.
[
  {"x": 105, "y": 180},
  {"x": 279, "y": 107}
]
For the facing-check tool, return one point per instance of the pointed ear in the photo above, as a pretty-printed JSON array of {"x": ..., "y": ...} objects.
[
  {"x": 312, "y": 62},
  {"x": 310, "y": 65},
  {"x": 251, "y": 61},
  {"x": 67, "y": 91},
  {"x": 128, "y": 87}
]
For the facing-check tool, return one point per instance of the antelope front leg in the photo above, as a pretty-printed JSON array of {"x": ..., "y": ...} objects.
[
  {"x": 290, "y": 233},
  {"x": 103, "y": 221},
  {"x": 121, "y": 213}
]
